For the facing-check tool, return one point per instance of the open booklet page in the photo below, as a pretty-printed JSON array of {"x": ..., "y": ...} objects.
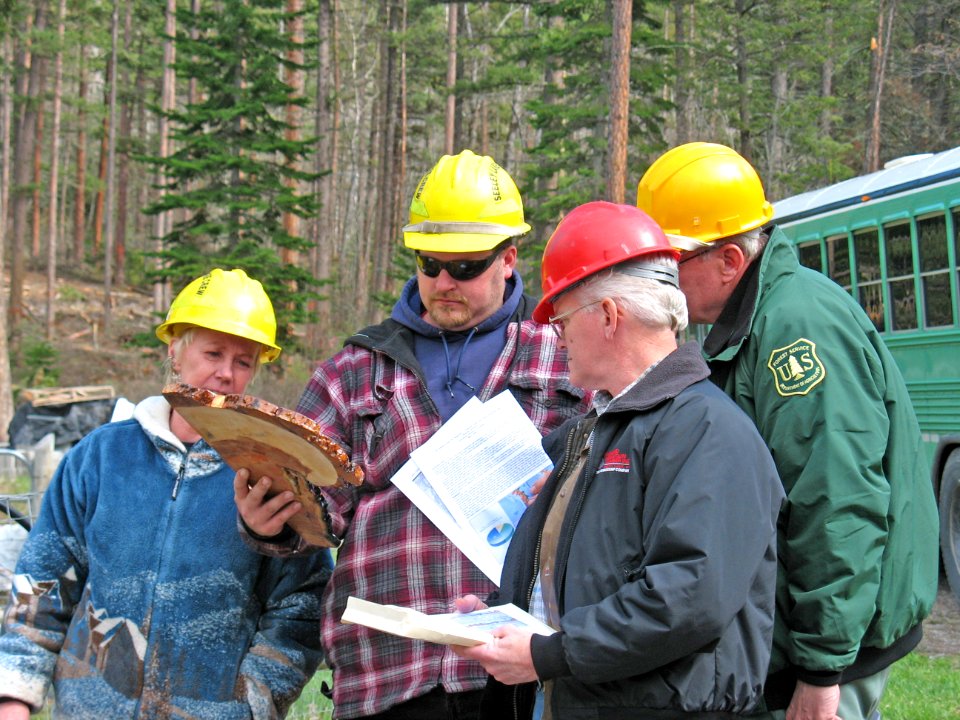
[
  {"x": 475, "y": 477},
  {"x": 447, "y": 628}
]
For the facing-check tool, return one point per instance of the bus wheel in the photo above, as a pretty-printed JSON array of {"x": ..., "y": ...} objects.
[{"x": 950, "y": 520}]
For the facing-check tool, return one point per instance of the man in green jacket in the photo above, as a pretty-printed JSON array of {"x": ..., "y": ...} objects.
[{"x": 857, "y": 539}]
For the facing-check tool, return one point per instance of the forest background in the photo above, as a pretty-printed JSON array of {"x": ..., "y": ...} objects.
[{"x": 144, "y": 142}]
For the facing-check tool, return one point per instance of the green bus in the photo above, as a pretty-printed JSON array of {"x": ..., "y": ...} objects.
[{"x": 892, "y": 240}]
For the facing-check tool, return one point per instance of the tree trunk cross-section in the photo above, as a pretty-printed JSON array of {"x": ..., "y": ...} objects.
[{"x": 275, "y": 442}]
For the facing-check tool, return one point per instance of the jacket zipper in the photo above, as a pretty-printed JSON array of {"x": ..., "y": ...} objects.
[{"x": 176, "y": 484}]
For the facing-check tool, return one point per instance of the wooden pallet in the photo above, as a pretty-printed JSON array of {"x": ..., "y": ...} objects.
[{"x": 66, "y": 395}]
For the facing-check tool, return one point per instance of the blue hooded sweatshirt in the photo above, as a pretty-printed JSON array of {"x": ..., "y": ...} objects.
[{"x": 453, "y": 373}]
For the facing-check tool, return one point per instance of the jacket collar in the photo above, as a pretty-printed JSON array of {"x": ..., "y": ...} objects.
[
  {"x": 153, "y": 414},
  {"x": 679, "y": 370},
  {"x": 738, "y": 315}
]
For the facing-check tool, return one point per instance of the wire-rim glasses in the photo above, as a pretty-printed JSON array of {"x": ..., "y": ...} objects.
[{"x": 556, "y": 321}]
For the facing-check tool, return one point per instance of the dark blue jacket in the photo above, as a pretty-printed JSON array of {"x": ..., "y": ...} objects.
[{"x": 666, "y": 565}]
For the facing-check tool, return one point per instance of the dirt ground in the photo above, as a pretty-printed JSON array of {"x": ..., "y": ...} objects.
[
  {"x": 86, "y": 355},
  {"x": 941, "y": 631}
]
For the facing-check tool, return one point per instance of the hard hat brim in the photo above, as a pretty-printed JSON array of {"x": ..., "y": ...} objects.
[
  {"x": 458, "y": 242},
  {"x": 269, "y": 352}
]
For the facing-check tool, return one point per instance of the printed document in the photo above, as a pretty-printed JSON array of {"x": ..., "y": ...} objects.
[{"x": 475, "y": 477}]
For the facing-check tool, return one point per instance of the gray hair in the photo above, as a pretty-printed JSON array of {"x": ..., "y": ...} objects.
[
  {"x": 654, "y": 303},
  {"x": 751, "y": 242}
]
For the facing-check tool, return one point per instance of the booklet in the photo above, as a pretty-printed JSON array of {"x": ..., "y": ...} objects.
[
  {"x": 476, "y": 476},
  {"x": 454, "y": 628}
]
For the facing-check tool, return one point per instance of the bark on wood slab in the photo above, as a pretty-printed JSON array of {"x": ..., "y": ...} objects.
[{"x": 270, "y": 440}]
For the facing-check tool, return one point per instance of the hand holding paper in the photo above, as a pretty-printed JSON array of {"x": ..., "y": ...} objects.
[
  {"x": 507, "y": 656},
  {"x": 464, "y": 629}
]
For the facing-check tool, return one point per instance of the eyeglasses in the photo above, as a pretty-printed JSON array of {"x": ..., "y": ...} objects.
[
  {"x": 457, "y": 269},
  {"x": 556, "y": 321},
  {"x": 691, "y": 254}
]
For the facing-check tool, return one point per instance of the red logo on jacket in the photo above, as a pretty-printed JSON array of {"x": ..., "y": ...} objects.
[{"x": 615, "y": 461}]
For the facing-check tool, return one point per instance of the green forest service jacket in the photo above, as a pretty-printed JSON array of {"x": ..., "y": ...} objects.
[{"x": 857, "y": 542}]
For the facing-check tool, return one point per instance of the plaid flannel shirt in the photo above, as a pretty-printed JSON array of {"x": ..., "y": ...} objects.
[{"x": 371, "y": 398}]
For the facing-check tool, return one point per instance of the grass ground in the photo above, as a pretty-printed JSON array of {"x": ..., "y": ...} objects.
[
  {"x": 920, "y": 688},
  {"x": 312, "y": 705}
]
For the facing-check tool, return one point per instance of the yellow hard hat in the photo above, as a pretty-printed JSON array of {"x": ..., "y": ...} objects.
[
  {"x": 227, "y": 301},
  {"x": 701, "y": 192},
  {"x": 466, "y": 203}
]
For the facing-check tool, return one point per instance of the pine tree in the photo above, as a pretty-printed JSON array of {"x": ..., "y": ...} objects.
[
  {"x": 229, "y": 175},
  {"x": 573, "y": 113}
]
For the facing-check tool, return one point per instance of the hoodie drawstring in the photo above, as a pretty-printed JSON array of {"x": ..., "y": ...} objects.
[{"x": 455, "y": 377}]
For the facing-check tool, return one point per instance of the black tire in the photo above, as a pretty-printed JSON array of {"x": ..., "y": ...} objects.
[{"x": 950, "y": 520}]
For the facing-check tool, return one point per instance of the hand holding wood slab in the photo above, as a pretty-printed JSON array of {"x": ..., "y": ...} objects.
[{"x": 275, "y": 442}]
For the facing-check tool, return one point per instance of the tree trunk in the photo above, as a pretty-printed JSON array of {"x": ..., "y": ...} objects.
[
  {"x": 52, "y": 241},
  {"x": 193, "y": 97},
  {"x": 141, "y": 222},
  {"x": 683, "y": 58},
  {"x": 324, "y": 227},
  {"x": 622, "y": 17},
  {"x": 880, "y": 50},
  {"x": 6, "y": 118},
  {"x": 826, "y": 70},
  {"x": 105, "y": 131},
  {"x": 41, "y": 64},
  {"x": 451, "y": 115},
  {"x": 111, "y": 171},
  {"x": 400, "y": 202},
  {"x": 23, "y": 167},
  {"x": 743, "y": 79},
  {"x": 80, "y": 182},
  {"x": 161, "y": 290},
  {"x": 123, "y": 157},
  {"x": 386, "y": 177},
  {"x": 294, "y": 77}
]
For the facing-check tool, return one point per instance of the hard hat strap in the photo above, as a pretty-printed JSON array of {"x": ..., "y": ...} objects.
[
  {"x": 428, "y": 227},
  {"x": 663, "y": 273}
]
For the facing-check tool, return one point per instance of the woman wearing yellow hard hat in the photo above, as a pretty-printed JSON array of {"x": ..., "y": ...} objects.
[{"x": 136, "y": 594}]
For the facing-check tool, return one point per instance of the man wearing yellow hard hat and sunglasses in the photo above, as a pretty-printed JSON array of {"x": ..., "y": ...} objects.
[{"x": 462, "y": 328}]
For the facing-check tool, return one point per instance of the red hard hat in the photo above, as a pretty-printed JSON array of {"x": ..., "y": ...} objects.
[{"x": 593, "y": 237}]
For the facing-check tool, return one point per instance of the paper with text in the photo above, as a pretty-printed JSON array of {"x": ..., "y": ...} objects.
[{"x": 476, "y": 476}]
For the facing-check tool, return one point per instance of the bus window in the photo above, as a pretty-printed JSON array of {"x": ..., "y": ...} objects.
[
  {"x": 838, "y": 260},
  {"x": 903, "y": 303},
  {"x": 934, "y": 271},
  {"x": 866, "y": 248},
  {"x": 955, "y": 216},
  {"x": 810, "y": 255}
]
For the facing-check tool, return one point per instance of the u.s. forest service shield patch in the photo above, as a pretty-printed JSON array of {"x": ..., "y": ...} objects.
[{"x": 796, "y": 368}]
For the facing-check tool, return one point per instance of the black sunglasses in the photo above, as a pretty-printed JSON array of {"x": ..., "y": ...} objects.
[{"x": 457, "y": 269}]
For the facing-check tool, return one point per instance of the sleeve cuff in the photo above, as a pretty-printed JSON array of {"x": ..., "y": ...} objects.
[
  {"x": 820, "y": 678},
  {"x": 548, "y": 657}
]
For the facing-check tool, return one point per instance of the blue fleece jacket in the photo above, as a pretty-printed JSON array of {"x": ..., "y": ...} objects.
[{"x": 136, "y": 597}]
